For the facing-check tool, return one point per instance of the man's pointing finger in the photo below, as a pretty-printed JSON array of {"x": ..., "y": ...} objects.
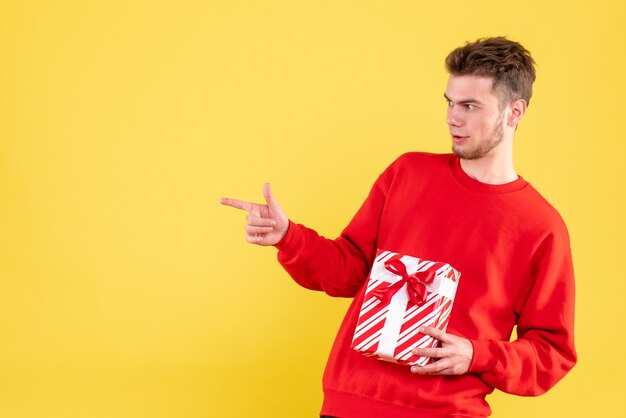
[{"x": 238, "y": 204}]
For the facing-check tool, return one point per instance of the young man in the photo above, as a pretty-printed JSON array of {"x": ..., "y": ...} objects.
[{"x": 468, "y": 209}]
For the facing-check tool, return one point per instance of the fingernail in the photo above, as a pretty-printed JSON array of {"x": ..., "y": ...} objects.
[{"x": 414, "y": 369}]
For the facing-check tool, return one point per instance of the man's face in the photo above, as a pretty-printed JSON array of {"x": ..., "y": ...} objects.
[{"x": 474, "y": 116}]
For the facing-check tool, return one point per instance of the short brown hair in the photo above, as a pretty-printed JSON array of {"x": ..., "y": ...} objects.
[{"x": 508, "y": 63}]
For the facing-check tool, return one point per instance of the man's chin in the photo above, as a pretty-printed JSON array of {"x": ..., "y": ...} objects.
[{"x": 464, "y": 155}]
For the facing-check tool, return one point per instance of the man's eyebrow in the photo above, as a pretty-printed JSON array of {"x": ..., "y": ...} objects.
[{"x": 465, "y": 101}]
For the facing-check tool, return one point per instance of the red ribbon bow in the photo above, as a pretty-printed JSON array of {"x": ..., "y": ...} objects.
[{"x": 416, "y": 282}]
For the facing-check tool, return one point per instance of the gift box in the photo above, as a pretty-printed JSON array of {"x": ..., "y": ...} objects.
[{"x": 404, "y": 293}]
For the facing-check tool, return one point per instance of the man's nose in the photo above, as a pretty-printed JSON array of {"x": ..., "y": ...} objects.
[{"x": 453, "y": 118}]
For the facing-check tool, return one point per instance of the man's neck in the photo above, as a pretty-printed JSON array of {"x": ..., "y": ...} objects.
[{"x": 491, "y": 169}]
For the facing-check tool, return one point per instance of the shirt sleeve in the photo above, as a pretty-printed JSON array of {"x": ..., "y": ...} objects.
[
  {"x": 544, "y": 349},
  {"x": 336, "y": 266}
]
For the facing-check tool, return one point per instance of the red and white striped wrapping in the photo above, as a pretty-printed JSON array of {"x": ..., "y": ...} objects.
[{"x": 387, "y": 326}]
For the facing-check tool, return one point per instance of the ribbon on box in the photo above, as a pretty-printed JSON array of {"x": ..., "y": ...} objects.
[{"x": 415, "y": 283}]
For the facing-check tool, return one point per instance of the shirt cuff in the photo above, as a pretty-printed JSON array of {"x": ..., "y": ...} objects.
[
  {"x": 289, "y": 242},
  {"x": 484, "y": 358}
]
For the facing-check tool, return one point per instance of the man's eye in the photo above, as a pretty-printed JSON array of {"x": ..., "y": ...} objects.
[
  {"x": 470, "y": 106},
  {"x": 450, "y": 104}
]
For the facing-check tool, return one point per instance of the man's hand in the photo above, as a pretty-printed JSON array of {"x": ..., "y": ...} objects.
[
  {"x": 455, "y": 354},
  {"x": 266, "y": 224}
]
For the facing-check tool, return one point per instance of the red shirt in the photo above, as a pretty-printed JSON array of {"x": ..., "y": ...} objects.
[{"x": 512, "y": 249}]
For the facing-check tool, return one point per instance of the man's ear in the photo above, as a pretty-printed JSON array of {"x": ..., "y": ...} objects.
[{"x": 518, "y": 109}]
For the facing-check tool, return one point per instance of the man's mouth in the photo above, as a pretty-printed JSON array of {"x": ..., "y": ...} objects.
[{"x": 457, "y": 139}]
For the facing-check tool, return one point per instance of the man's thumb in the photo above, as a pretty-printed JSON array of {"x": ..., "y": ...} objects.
[{"x": 269, "y": 197}]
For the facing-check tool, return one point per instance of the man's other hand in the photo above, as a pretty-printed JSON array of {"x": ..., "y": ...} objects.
[{"x": 455, "y": 354}]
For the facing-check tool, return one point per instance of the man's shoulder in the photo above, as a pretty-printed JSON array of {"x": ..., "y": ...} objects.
[
  {"x": 414, "y": 169},
  {"x": 416, "y": 160},
  {"x": 414, "y": 156},
  {"x": 542, "y": 213}
]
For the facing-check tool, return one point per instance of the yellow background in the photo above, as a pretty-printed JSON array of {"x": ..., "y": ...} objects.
[{"x": 126, "y": 290}]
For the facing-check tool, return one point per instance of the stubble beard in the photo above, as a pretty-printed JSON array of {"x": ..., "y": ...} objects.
[{"x": 495, "y": 138}]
